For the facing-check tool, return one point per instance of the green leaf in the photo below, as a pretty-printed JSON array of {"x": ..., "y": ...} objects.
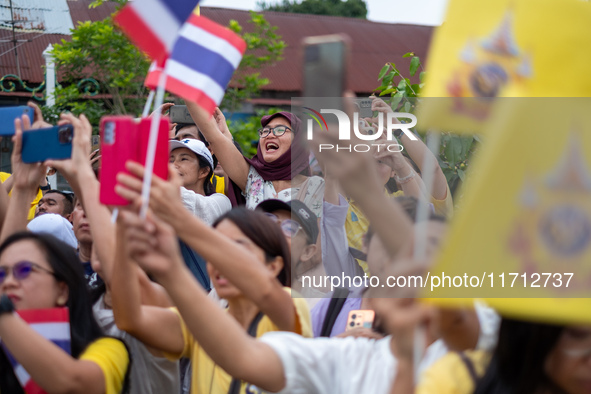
[
  {"x": 408, "y": 54},
  {"x": 388, "y": 78},
  {"x": 387, "y": 91},
  {"x": 462, "y": 175},
  {"x": 396, "y": 99},
  {"x": 414, "y": 65},
  {"x": 422, "y": 76},
  {"x": 383, "y": 71},
  {"x": 406, "y": 107}
]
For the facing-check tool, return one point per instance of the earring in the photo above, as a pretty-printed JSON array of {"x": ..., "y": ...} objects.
[{"x": 61, "y": 301}]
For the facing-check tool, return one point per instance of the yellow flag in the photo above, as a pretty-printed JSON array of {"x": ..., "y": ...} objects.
[
  {"x": 498, "y": 48},
  {"x": 524, "y": 230}
]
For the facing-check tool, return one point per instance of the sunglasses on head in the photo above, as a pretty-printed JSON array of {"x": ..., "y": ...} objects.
[
  {"x": 22, "y": 270},
  {"x": 289, "y": 227}
]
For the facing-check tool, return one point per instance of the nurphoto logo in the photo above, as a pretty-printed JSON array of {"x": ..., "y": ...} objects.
[{"x": 362, "y": 130}]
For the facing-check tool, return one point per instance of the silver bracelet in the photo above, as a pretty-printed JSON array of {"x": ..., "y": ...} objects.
[{"x": 405, "y": 179}]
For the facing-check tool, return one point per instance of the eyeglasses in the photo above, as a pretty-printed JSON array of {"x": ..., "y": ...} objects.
[
  {"x": 22, "y": 270},
  {"x": 277, "y": 131},
  {"x": 289, "y": 227}
]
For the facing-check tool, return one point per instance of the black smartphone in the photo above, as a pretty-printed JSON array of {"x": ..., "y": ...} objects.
[
  {"x": 180, "y": 114},
  {"x": 325, "y": 65}
]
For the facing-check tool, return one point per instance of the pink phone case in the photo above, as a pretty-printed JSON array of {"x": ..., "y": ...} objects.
[{"x": 123, "y": 139}]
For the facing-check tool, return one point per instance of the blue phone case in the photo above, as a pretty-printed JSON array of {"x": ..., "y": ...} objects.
[
  {"x": 9, "y": 114},
  {"x": 50, "y": 143}
]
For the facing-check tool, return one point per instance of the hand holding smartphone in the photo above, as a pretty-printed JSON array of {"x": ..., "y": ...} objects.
[
  {"x": 123, "y": 139},
  {"x": 360, "y": 319},
  {"x": 48, "y": 143},
  {"x": 9, "y": 114}
]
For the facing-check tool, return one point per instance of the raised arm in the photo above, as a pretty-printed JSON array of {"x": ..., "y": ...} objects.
[
  {"x": 26, "y": 181},
  {"x": 156, "y": 327},
  {"x": 49, "y": 366},
  {"x": 228, "y": 155},
  {"x": 80, "y": 176},
  {"x": 417, "y": 151},
  {"x": 222, "y": 338},
  {"x": 234, "y": 261}
]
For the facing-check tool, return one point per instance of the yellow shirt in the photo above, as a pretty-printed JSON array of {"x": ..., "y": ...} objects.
[
  {"x": 111, "y": 356},
  {"x": 356, "y": 226},
  {"x": 444, "y": 207},
  {"x": 4, "y": 176},
  {"x": 450, "y": 374},
  {"x": 206, "y": 376},
  {"x": 220, "y": 185}
]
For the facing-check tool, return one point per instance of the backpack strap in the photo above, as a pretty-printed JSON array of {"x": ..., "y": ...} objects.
[
  {"x": 339, "y": 296},
  {"x": 252, "y": 331},
  {"x": 469, "y": 366}
]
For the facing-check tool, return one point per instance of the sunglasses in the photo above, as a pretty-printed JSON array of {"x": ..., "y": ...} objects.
[
  {"x": 289, "y": 227},
  {"x": 22, "y": 270},
  {"x": 277, "y": 131}
]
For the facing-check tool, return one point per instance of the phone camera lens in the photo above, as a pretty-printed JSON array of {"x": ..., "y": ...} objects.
[
  {"x": 353, "y": 316},
  {"x": 352, "y": 324}
]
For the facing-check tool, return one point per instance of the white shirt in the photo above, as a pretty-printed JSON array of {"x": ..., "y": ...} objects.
[
  {"x": 333, "y": 365},
  {"x": 206, "y": 208}
]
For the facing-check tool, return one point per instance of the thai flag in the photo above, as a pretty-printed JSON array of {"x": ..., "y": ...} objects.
[
  {"x": 52, "y": 324},
  {"x": 203, "y": 61},
  {"x": 153, "y": 77},
  {"x": 153, "y": 25}
]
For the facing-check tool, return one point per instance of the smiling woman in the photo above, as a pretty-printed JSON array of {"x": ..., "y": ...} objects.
[
  {"x": 279, "y": 170},
  {"x": 194, "y": 165}
]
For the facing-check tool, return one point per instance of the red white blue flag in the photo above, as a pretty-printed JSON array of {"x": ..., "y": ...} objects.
[
  {"x": 52, "y": 324},
  {"x": 203, "y": 61},
  {"x": 153, "y": 25},
  {"x": 153, "y": 77}
]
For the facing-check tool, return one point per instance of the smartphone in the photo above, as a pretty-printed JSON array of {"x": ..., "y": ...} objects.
[
  {"x": 9, "y": 114},
  {"x": 49, "y": 143},
  {"x": 122, "y": 139},
  {"x": 363, "y": 107},
  {"x": 180, "y": 114},
  {"x": 360, "y": 318},
  {"x": 325, "y": 65}
]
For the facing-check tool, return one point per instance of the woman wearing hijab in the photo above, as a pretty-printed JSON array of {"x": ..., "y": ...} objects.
[{"x": 279, "y": 170}]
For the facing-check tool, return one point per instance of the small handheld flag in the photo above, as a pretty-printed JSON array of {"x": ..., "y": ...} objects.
[{"x": 52, "y": 324}]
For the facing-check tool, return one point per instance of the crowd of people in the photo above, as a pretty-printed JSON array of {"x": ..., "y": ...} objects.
[{"x": 220, "y": 289}]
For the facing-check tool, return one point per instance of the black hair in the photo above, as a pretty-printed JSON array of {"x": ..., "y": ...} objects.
[
  {"x": 208, "y": 186},
  {"x": 67, "y": 268},
  {"x": 265, "y": 233},
  {"x": 68, "y": 200},
  {"x": 517, "y": 363}
]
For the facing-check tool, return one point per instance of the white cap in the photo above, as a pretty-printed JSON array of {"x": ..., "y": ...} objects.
[
  {"x": 56, "y": 225},
  {"x": 195, "y": 146}
]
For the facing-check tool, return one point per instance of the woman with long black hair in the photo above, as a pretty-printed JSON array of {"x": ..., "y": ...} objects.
[{"x": 38, "y": 272}]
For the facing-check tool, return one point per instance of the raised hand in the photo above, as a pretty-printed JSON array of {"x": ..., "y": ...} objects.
[
  {"x": 165, "y": 198},
  {"x": 26, "y": 176},
  {"x": 220, "y": 121},
  {"x": 38, "y": 121},
  {"x": 151, "y": 243},
  {"x": 81, "y": 146}
]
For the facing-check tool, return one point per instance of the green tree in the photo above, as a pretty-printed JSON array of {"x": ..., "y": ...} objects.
[
  {"x": 264, "y": 48},
  {"x": 347, "y": 8},
  {"x": 100, "y": 71}
]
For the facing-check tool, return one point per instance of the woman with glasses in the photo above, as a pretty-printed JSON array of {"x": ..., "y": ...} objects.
[
  {"x": 39, "y": 272},
  {"x": 280, "y": 169},
  {"x": 249, "y": 266},
  {"x": 529, "y": 357}
]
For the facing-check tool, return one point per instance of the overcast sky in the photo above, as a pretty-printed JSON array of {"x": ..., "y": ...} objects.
[{"x": 423, "y": 12}]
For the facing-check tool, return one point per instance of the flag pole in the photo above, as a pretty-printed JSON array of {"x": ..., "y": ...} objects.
[
  {"x": 420, "y": 237},
  {"x": 152, "y": 141},
  {"x": 148, "y": 104}
]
